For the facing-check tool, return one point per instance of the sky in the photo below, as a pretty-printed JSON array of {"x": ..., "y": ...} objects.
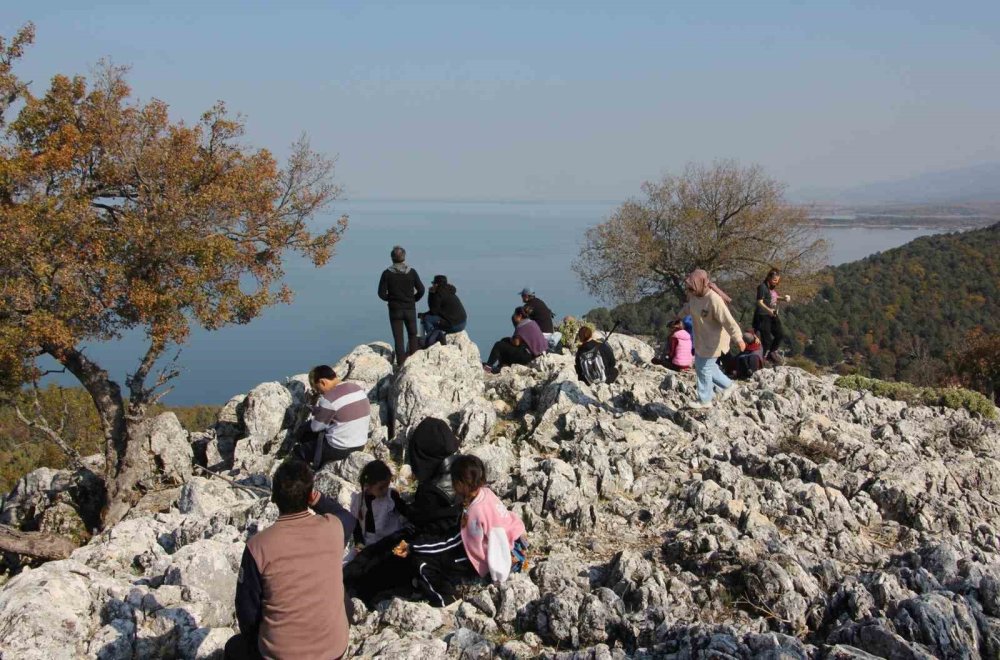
[{"x": 559, "y": 100}]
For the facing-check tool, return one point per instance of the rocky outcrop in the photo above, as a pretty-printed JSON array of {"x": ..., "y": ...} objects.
[{"x": 795, "y": 520}]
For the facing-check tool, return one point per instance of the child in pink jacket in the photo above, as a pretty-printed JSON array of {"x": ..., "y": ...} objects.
[{"x": 482, "y": 513}]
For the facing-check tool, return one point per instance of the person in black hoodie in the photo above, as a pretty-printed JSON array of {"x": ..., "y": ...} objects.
[
  {"x": 445, "y": 312},
  {"x": 436, "y": 553},
  {"x": 400, "y": 286},
  {"x": 537, "y": 310}
]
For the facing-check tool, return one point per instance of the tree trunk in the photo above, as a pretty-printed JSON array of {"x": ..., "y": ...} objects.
[
  {"x": 40, "y": 545},
  {"x": 122, "y": 485}
]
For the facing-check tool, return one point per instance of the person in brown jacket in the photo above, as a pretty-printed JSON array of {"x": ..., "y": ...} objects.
[{"x": 290, "y": 594}]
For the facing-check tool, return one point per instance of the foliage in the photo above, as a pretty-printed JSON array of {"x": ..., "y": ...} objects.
[
  {"x": 730, "y": 220},
  {"x": 949, "y": 397},
  {"x": 114, "y": 217},
  {"x": 569, "y": 327},
  {"x": 978, "y": 366},
  {"x": 21, "y": 451}
]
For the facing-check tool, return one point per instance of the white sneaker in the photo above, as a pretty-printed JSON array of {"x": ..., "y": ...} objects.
[
  {"x": 727, "y": 392},
  {"x": 699, "y": 405}
]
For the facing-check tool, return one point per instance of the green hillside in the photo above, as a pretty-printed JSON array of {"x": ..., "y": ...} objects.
[{"x": 903, "y": 314}]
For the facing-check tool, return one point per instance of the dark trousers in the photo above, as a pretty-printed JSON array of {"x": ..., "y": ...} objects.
[
  {"x": 239, "y": 648},
  {"x": 315, "y": 450},
  {"x": 397, "y": 319},
  {"x": 770, "y": 331},
  {"x": 376, "y": 569},
  {"x": 505, "y": 353},
  {"x": 440, "y": 575}
]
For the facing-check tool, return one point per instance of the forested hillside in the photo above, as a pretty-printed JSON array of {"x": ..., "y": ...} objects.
[{"x": 905, "y": 314}]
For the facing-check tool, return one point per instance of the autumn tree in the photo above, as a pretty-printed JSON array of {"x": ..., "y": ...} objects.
[
  {"x": 114, "y": 217},
  {"x": 731, "y": 220},
  {"x": 978, "y": 363}
]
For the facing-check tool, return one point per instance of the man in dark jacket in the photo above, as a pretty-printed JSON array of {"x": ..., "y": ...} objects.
[
  {"x": 445, "y": 312},
  {"x": 290, "y": 603},
  {"x": 400, "y": 286},
  {"x": 537, "y": 310}
]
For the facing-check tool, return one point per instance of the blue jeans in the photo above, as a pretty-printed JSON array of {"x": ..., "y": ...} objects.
[
  {"x": 709, "y": 374},
  {"x": 432, "y": 322}
]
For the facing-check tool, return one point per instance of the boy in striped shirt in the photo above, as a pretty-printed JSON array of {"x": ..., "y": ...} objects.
[{"x": 339, "y": 418}]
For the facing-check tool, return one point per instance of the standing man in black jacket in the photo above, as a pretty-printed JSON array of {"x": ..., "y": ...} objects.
[{"x": 400, "y": 286}]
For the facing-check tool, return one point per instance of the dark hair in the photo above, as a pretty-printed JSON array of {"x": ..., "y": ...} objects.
[
  {"x": 324, "y": 371},
  {"x": 469, "y": 471},
  {"x": 375, "y": 472},
  {"x": 585, "y": 333},
  {"x": 398, "y": 255},
  {"x": 291, "y": 486},
  {"x": 771, "y": 273}
]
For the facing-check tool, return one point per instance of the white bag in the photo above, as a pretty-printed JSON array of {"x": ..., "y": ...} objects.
[{"x": 498, "y": 555}]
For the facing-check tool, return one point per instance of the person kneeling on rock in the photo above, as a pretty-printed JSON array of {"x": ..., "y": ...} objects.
[
  {"x": 338, "y": 421},
  {"x": 289, "y": 602}
]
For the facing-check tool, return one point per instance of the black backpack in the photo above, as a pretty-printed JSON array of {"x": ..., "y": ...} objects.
[{"x": 592, "y": 362}]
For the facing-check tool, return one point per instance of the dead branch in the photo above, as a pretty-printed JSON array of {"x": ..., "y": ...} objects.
[{"x": 42, "y": 545}]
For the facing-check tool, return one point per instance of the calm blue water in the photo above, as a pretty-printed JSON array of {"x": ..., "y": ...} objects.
[{"x": 488, "y": 250}]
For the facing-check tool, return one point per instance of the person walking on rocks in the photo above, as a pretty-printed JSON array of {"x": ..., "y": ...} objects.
[
  {"x": 400, "y": 286},
  {"x": 714, "y": 325},
  {"x": 290, "y": 591},
  {"x": 766, "y": 322}
]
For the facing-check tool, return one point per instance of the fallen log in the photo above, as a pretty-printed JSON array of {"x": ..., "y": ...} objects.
[{"x": 40, "y": 545}]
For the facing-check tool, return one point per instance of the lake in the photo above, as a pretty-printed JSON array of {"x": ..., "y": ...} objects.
[{"x": 488, "y": 250}]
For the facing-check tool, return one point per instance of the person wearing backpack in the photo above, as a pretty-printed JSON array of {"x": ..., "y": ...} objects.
[
  {"x": 400, "y": 286},
  {"x": 595, "y": 361}
]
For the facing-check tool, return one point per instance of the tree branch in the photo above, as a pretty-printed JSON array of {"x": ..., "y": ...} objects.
[{"x": 41, "y": 545}]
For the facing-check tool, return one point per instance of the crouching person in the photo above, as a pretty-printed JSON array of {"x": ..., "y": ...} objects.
[{"x": 290, "y": 594}]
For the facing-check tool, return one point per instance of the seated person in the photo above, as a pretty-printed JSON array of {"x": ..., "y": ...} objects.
[
  {"x": 380, "y": 526},
  {"x": 290, "y": 603},
  {"x": 751, "y": 359},
  {"x": 591, "y": 350},
  {"x": 679, "y": 355},
  {"x": 338, "y": 420},
  {"x": 539, "y": 312},
  {"x": 435, "y": 552},
  {"x": 525, "y": 345},
  {"x": 445, "y": 313}
]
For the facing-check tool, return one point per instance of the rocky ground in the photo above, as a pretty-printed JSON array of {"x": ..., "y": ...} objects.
[{"x": 796, "y": 520}]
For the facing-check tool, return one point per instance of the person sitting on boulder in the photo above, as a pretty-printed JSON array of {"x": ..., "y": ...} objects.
[
  {"x": 487, "y": 523},
  {"x": 751, "y": 359},
  {"x": 445, "y": 313},
  {"x": 290, "y": 591},
  {"x": 435, "y": 552},
  {"x": 585, "y": 356},
  {"x": 339, "y": 419},
  {"x": 525, "y": 345},
  {"x": 539, "y": 312},
  {"x": 380, "y": 526},
  {"x": 678, "y": 354}
]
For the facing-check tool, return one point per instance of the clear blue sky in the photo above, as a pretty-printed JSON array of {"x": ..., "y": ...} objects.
[{"x": 560, "y": 100}]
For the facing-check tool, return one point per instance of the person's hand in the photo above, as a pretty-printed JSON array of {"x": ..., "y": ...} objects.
[
  {"x": 314, "y": 497},
  {"x": 773, "y": 312},
  {"x": 741, "y": 344},
  {"x": 788, "y": 298}
]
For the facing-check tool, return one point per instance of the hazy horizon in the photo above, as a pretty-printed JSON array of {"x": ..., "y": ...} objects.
[{"x": 560, "y": 101}]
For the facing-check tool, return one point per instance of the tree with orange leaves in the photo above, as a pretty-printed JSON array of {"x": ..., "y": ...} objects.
[{"x": 115, "y": 218}]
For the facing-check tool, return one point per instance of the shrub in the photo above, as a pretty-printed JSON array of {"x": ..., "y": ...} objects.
[
  {"x": 949, "y": 397},
  {"x": 569, "y": 327}
]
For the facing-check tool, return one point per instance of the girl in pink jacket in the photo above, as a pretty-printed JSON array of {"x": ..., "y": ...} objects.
[{"x": 483, "y": 513}]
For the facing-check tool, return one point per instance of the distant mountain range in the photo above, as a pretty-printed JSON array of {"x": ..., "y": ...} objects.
[{"x": 974, "y": 184}]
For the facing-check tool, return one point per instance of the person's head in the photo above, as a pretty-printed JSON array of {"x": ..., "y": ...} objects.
[
  {"x": 438, "y": 282},
  {"x": 519, "y": 315},
  {"x": 468, "y": 475},
  {"x": 584, "y": 334},
  {"x": 375, "y": 478},
  {"x": 675, "y": 325},
  {"x": 323, "y": 378},
  {"x": 749, "y": 337},
  {"x": 292, "y": 486},
  {"x": 398, "y": 255},
  {"x": 773, "y": 277},
  {"x": 696, "y": 284},
  {"x": 527, "y": 293}
]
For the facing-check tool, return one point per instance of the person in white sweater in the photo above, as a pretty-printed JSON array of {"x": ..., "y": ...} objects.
[{"x": 714, "y": 326}]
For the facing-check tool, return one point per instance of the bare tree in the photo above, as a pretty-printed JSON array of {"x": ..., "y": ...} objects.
[{"x": 731, "y": 220}]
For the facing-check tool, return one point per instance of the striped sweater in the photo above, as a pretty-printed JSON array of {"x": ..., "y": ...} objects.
[{"x": 343, "y": 413}]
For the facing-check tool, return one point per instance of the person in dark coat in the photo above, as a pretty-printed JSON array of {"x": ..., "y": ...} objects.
[
  {"x": 437, "y": 555},
  {"x": 400, "y": 286},
  {"x": 537, "y": 310},
  {"x": 445, "y": 312},
  {"x": 585, "y": 337}
]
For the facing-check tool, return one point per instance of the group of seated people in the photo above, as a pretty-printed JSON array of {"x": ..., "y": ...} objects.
[
  {"x": 677, "y": 352},
  {"x": 534, "y": 335},
  {"x": 297, "y": 575}
]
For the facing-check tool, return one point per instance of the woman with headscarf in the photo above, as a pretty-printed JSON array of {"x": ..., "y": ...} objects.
[
  {"x": 714, "y": 325},
  {"x": 437, "y": 555}
]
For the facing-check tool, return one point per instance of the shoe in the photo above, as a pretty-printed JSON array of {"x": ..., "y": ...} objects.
[
  {"x": 699, "y": 405},
  {"x": 488, "y": 369},
  {"x": 775, "y": 359},
  {"x": 727, "y": 392}
]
